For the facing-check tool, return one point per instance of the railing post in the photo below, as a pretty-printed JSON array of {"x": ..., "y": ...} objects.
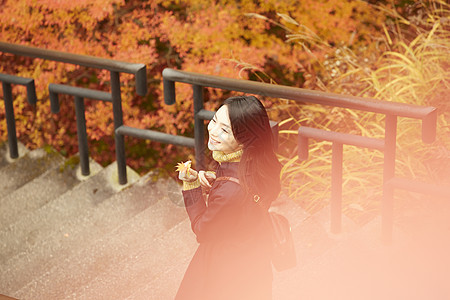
[
  {"x": 82, "y": 135},
  {"x": 429, "y": 127},
  {"x": 169, "y": 91},
  {"x": 387, "y": 205},
  {"x": 118, "y": 121},
  {"x": 336, "y": 187},
  {"x": 7, "y": 81},
  {"x": 10, "y": 120},
  {"x": 199, "y": 128},
  {"x": 303, "y": 146}
]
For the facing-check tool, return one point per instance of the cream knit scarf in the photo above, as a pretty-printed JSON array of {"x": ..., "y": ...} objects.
[{"x": 221, "y": 157}]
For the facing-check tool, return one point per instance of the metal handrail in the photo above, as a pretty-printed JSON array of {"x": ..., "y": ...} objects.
[
  {"x": 79, "y": 95},
  {"x": 113, "y": 66},
  {"x": 391, "y": 110},
  {"x": 139, "y": 70},
  {"x": 7, "y": 81},
  {"x": 338, "y": 140},
  {"x": 427, "y": 114},
  {"x": 156, "y": 136}
]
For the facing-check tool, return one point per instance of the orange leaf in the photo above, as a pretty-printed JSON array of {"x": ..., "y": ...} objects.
[{"x": 184, "y": 167}]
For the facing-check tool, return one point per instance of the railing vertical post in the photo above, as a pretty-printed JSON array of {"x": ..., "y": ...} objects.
[
  {"x": 387, "y": 205},
  {"x": 118, "y": 121},
  {"x": 82, "y": 135},
  {"x": 10, "y": 120},
  {"x": 336, "y": 187},
  {"x": 303, "y": 146},
  {"x": 199, "y": 128}
]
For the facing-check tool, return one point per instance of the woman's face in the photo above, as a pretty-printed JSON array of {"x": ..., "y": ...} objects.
[{"x": 221, "y": 136}]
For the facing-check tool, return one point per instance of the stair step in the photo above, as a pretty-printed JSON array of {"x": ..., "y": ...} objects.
[
  {"x": 166, "y": 285},
  {"x": 110, "y": 251},
  {"x": 5, "y": 158},
  {"x": 26, "y": 168},
  {"x": 54, "y": 230},
  {"x": 3, "y": 149},
  {"x": 36, "y": 193},
  {"x": 33, "y": 228},
  {"x": 145, "y": 266},
  {"x": 4, "y": 297}
]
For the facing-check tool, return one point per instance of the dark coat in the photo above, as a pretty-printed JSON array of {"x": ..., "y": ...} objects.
[{"x": 232, "y": 261}]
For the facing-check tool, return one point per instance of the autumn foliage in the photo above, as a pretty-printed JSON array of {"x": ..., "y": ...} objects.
[{"x": 240, "y": 39}]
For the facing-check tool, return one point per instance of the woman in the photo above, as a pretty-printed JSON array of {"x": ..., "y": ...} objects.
[{"x": 233, "y": 259}]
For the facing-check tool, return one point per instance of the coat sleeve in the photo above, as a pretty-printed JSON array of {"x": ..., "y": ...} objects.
[{"x": 220, "y": 219}]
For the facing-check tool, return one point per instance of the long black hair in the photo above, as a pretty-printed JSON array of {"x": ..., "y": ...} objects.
[{"x": 259, "y": 169}]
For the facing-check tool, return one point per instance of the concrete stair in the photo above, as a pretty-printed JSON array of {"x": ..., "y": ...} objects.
[
  {"x": 29, "y": 166},
  {"x": 66, "y": 236}
]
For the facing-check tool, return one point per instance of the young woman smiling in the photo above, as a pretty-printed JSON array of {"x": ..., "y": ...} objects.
[{"x": 232, "y": 228}]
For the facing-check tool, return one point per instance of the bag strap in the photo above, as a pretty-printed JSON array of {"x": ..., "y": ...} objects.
[
  {"x": 228, "y": 178},
  {"x": 256, "y": 197}
]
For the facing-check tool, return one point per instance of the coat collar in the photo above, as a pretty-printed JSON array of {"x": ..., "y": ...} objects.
[{"x": 228, "y": 169}]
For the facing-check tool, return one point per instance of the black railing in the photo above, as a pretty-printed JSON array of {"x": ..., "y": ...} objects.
[
  {"x": 79, "y": 94},
  {"x": 114, "y": 67},
  {"x": 7, "y": 81},
  {"x": 391, "y": 110},
  {"x": 338, "y": 139}
]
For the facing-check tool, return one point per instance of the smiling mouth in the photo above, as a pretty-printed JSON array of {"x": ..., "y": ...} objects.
[{"x": 213, "y": 141}]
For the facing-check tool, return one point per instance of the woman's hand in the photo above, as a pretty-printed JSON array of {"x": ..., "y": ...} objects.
[
  {"x": 189, "y": 175},
  {"x": 206, "y": 178}
]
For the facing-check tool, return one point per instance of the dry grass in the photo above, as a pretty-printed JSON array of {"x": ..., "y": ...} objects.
[{"x": 412, "y": 66}]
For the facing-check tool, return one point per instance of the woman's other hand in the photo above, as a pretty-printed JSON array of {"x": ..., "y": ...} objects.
[
  {"x": 206, "y": 178},
  {"x": 188, "y": 175}
]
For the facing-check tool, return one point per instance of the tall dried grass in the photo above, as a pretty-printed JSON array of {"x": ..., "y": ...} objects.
[{"x": 410, "y": 64}]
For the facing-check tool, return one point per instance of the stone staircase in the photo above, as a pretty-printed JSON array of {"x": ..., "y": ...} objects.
[{"x": 66, "y": 236}]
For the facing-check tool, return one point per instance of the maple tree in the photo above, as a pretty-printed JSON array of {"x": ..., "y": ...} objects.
[{"x": 237, "y": 39}]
